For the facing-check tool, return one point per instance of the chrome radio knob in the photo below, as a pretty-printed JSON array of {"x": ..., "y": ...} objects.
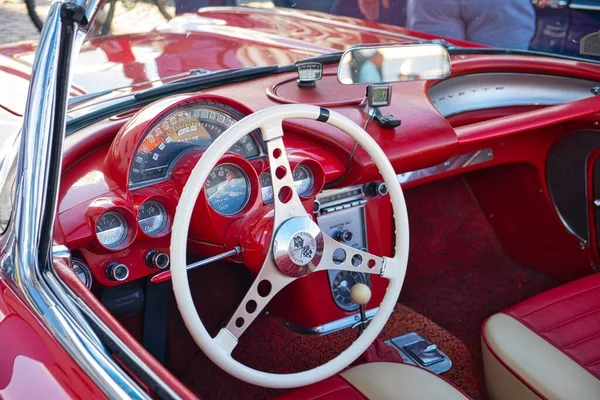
[
  {"x": 116, "y": 271},
  {"x": 344, "y": 236},
  {"x": 157, "y": 259}
]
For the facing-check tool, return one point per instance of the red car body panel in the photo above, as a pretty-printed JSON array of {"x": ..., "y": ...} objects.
[
  {"x": 230, "y": 38},
  {"x": 32, "y": 363}
]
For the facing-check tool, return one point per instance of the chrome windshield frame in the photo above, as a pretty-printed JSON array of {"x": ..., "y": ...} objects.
[{"x": 26, "y": 251}]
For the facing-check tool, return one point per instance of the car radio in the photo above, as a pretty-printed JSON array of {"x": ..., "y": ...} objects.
[{"x": 341, "y": 215}]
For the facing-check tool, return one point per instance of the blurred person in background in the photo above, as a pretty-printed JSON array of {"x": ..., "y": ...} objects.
[
  {"x": 507, "y": 23},
  {"x": 373, "y": 10}
]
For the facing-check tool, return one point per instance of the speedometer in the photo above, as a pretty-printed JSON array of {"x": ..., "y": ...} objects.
[
  {"x": 191, "y": 126},
  {"x": 227, "y": 189}
]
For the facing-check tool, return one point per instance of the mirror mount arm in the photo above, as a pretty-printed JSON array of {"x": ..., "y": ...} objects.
[{"x": 377, "y": 96}]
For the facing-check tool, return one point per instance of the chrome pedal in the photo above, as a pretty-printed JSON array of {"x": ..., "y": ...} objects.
[{"x": 416, "y": 350}]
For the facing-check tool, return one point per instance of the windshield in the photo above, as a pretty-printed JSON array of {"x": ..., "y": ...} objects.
[{"x": 138, "y": 44}]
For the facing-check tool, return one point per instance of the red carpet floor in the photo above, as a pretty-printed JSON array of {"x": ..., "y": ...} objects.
[
  {"x": 269, "y": 346},
  {"x": 458, "y": 274}
]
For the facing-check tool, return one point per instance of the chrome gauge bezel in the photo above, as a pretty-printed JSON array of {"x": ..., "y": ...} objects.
[
  {"x": 311, "y": 180},
  {"x": 263, "y": 189},
  {"x": 77, "y": 263},
  {"x": 117, "y": 244},
  {"x": 223, "y": 109},
  {"x": 241, "y": 208},
  {"x": 163, "y": 214}
]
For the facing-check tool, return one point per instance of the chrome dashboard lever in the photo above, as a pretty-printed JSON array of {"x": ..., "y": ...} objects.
[{"x": 166, "y": 275}]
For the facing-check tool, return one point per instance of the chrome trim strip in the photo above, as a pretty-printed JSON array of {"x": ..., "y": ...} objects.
[
  {"x": 106, "y": 331},
  {"x": 332, "y": 326},
  {"x": 454, "y": 163},
  {"x": 492, "y": 90},
  {"x": 35, "y": 205},
  {"x": 588, "y": 7}
]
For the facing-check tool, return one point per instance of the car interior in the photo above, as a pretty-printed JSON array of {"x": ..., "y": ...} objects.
[{"x": 482, "y": 178}]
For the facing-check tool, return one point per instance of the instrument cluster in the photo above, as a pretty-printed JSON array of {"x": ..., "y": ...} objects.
[
  {"x": 116, "y": 224},
  {"x": 149, "y": 161},
  {"x": 187, "y": 127}
]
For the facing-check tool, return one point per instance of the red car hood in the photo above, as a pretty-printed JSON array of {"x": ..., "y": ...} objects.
[{"x": 213, "y": 39}]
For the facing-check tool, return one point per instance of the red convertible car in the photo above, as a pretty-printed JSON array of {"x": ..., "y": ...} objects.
[{"x": 265, "y": 203}]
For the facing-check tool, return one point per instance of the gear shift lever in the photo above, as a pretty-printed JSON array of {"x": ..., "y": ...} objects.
[{"x": 361, "y": 294}]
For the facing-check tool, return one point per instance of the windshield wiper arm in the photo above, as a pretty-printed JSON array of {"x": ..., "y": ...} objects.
[{"x": 206, "y": 81}]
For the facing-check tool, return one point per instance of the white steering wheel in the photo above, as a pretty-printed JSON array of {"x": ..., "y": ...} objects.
[{"x": 298, "y": 247}]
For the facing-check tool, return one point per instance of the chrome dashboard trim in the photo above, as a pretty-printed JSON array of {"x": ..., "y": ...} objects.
[
  {"x": 454, "y": 163},
  {"x": 492, "y": 90}
]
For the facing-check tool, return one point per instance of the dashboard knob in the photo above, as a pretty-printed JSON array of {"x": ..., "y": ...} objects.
[
  {"x": 157, "y": 259},
  {"x": 316, "y": 206},
  {"x": 344, "y": 236},
  {"x": 116, "y": 271},
  {"x": 374, "y": 189}
]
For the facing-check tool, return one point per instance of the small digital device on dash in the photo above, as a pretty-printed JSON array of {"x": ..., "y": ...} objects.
[
  {"x": 309, "y": 73},
  {"x": 379, "y": 95}
]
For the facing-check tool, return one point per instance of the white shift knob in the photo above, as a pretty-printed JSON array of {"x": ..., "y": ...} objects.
[{"x": 360, "y": 294}]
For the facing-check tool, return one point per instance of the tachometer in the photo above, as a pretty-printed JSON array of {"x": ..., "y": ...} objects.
[
  {"x": 111, "y": 229},
  {"x": 227, "y": 189},
  {"x": 193, "y": 125}
]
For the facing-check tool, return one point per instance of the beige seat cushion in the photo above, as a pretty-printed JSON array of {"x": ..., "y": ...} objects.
[
  {"x": 519, "y": 364},
  {"x": 384, "y": 381}
]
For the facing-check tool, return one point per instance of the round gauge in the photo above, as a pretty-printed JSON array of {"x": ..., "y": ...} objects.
[
  {"x": 152, "y": 218},
  {"x": 111, "y": 229},
  {"x": 342, "y": 283},
  {"x": 266, "y": 187},
  {"x": 303, "y": 179},
  {"x": 190, "y": 126},
  {"x": 227, "y": 189},
  {"x": 82, "y": 271}
]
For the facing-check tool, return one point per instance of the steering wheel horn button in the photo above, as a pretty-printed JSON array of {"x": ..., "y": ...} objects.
[{"x": 298, "y": 246}]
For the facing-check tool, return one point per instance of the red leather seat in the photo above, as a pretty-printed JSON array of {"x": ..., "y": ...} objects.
[
  {"x": 380, "y": 380},
  {"x": 547, "y": 346}
]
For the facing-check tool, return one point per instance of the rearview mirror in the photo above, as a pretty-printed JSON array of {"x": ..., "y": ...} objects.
[{"x": 398, "y": 63}]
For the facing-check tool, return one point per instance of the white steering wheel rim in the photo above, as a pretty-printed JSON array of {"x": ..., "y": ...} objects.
[{"x": 217, "y": 349}]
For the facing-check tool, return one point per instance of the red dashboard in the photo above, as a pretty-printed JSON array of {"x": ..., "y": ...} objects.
[{"x": 114, "y": 174}]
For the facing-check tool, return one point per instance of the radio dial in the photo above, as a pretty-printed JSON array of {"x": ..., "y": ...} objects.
[{"x": 344, "y": 236}]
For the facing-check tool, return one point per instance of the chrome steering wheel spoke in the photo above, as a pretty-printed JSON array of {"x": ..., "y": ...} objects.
[
  {"x": 266, "y": 285},
  {"x": 286, "y": 200},
  {"x": 342, "y": 257}
]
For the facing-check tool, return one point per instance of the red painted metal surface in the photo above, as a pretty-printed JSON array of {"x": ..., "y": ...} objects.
[
  {"x": 82, "y": 292},
  {"x": 32, "y": 363},
  {"x": 97, "y": 158},
  {"x": 424, "y": 139}
]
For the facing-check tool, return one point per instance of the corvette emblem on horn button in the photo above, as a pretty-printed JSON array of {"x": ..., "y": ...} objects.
[
  {"x": 302, "y": 248},
  {"x": 298, "y": 246}
]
